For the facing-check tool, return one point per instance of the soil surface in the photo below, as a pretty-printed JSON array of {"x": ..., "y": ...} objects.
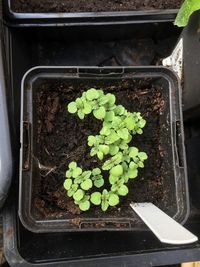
[
  {"x": 50, "y": 6},
  {"x": 61, "y": 137}
]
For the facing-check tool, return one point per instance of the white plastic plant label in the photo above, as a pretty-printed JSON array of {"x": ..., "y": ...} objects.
[{"x": 175, "y": 61}]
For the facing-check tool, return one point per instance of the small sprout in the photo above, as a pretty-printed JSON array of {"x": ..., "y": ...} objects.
[
  {"x": 105, "y": 200},
  {"x": 72, "y": 190},
  {"x": 97, "y": 178},
  {"x": 133, "y": 152},
  {"x": 115, "y": 160},
  {"x": 73, "y": 170},
  {"x": 96, "y": 198}
]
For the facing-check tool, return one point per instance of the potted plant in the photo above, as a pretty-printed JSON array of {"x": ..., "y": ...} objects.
[{"x": 93, "y": 141}]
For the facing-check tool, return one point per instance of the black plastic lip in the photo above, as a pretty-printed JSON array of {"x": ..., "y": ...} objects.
[{"x": 86, "y": 18}]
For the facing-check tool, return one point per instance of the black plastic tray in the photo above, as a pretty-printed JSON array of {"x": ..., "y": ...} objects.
[
  {"x": 177, "y": 203},
  {"x": 86, "y": 18}
]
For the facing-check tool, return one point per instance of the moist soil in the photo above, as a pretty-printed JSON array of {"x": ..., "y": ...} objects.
[
  {"x": 51, "y": 6},
  {"x": 60, "y": 137}
]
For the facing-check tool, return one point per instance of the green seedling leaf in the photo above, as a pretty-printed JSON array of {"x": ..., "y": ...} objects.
[
  {"x": 96, "y": 171},
  {"x": 81, "y": 115},
  {"x": 130, "y": 123},
  {"x": 133, "y": 152},
  {"x": 186, "y": 10},
  {"x": 87, "y": 108},
  {"x": 123, "y": 133},
  {"x": 142, "y": 123},
  {"x": 113, "y": 150},
  {"x": 113, "y": 200},
  {"x": 140, "y": 164},
  {"x": 113, "y": 179},
  {"x": 72, "y": 165},
  {"x": 96, "y": 198},
  {"x": 99, "y": 182},
  {"x": 99, "y": 113},
  {"x": 142, "y": 156},
  {"x": 72, "y": 108},
  {"x": 91, "y": 140},
  {"x": 133, "y": 165},
  {"x": 87, "y": 184},
  {"x": 111, "y": 99},
  {"x": 105, "y": 131},
  {"x": 100, "y": 155},
  {"x": 116, "y": 171},
  {"x": 123, "y": 190},
  {"x": 139, "y": 131},
  {"x": 78, "y": 195},
  {"x": 109, "y": 116},
  {"x": 77, "y": 172},
  {"x": 67, "y": 184},
  {"x": 104, "y": 205},
  {"x": 104, "y": 149},
  {"x": 92, "y": 94},
  {"x": 132, "y": 173},
  {"x": 72, "y": 190},
  {"x": 119, "y": 110},
  {"x": 84, "y": 206}
]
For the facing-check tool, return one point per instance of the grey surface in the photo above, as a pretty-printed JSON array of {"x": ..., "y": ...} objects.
[{"x": 5, "y": 146}]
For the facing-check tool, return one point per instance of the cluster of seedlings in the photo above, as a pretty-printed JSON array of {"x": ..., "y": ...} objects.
[{"x": 122, "y": 162}]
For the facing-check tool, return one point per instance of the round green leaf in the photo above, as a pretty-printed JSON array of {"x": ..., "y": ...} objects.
[
  {"x": 96, "y": 171},
  {"x": 111, "y": 98},
  {"x": 80, "y": 115},
  {"x": 123, "y": 190},
  {"x": 77, "y": 172},
  {"x": 100, "y": 155},
  {"x": 68, "y": 174},
  {"x": 139, "y": 131},
  {"x": 96, "y": 198},
  {"x": 72, "y": 165},
  {"x": 142, "y": 123},
  {"x": 78, "y": 195},
  {"x": 116, "y": 171},
  {"x": 91, "y": 140},
  {"x": 109, "y": 116},
  {"x": 133, "y": 165},
  {"x": 92, "y": 94},
  {"x": 99, "y": 182},
  {"x": 130, "y": 123},
  {"x": 72, "y": 108},
  {"x": 141, "y": 164},
  {"x": 133, "y": 152},
  {"x": 142, "y": 156},
  {"x": 87, "y": 108},
  {"x": 113, "y": 200},
  {"x": 119, "y": 110},
  {"x": 99, "y": 113},
  {"x": 113, "y": 150},
  {"x": 132, "y": 173},
  {"x": 86, "y": 185},
  {"x": 113, "y": 179},
  {"x": 84, "y": 206},
  {"x": 104, "y": 149},
  {"x": 67, "y": 184}
]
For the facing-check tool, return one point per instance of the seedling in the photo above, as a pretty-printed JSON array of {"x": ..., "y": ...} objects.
[{"x": 118, "y": 128}]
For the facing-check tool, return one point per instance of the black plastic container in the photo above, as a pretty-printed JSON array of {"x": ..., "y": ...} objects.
[
  {"x": 171, "y": 140},
  {"x": 86, "y": 18}
]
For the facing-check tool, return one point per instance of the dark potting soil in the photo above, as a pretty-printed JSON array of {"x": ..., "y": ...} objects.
[
  {"x": 60, "y": 138},
  {"x": 51, "y": 6}
]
